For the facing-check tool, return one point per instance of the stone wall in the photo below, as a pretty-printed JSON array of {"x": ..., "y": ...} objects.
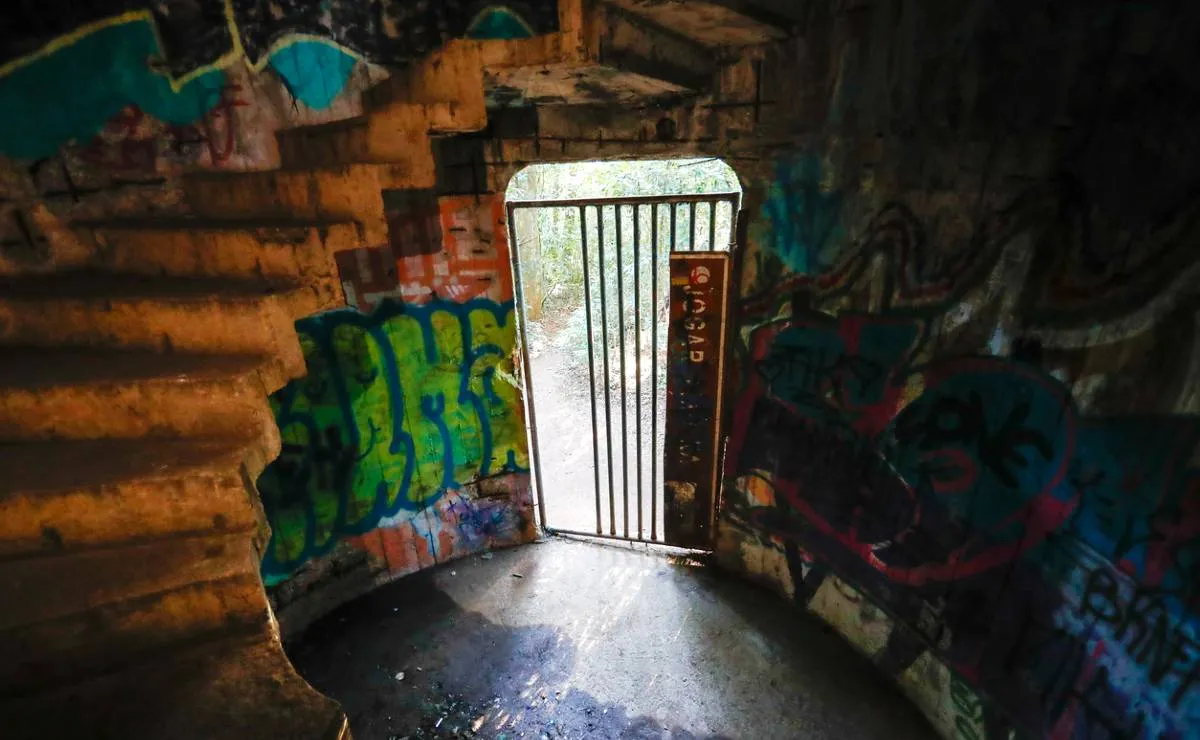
[{"x": 964, "y": 423}]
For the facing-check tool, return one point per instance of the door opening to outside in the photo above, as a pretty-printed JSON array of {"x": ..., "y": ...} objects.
[{"x": 622, "y": 272}]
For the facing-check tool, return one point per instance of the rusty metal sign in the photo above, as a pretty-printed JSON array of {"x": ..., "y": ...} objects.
[{"x": 695, "y": 357}]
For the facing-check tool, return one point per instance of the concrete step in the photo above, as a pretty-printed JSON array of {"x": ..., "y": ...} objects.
[
  {"x": 713, "y": 23},
  {"x": 635, "y": 45},
  {"x": 181, "y": 247},
  {"x": 224, "y": 689},
  {"x": 350, "y": 192},
  {"x": 44, "y": 588},
  {"x": 452, "y": 75},
  {"x": 67, "y": 648},
  {"x": 59, "y": 497},
  {"x": 397, "y": 134},
  {"x": 344, "y": 141},
  {"x": 134, "y": 312},
  {"x": 54, "y": 394}
]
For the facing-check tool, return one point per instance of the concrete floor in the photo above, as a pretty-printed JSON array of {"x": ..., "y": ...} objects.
[{"x": 569, "y": 639}]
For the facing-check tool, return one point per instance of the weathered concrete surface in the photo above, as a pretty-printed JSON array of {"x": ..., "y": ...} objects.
[
  {"x": 716, "y": 24},
  {"x": 575, "y": 640},
  {"x": 148, "y": 294}
]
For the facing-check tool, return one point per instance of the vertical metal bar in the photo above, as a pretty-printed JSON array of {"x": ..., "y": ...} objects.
[
  {"x": 637, "y": 353},
  {"x": 612, "y": 505},
  {"x": 674, "y": 208},
  {"x": 675, "y": 218},
  {"x": 692, "y": 215},
  {"x": 525, "y": 364},
  {"x": 658, "y": 489},
  {"x": 624, "y": 397},
  {"x": 712, "y": 226},
  {"x": 735, "y": 217},
  {"x": 587, "y": 310},
  {"x": 733, "y": 224},
  {"x": 730, "y": 237}
]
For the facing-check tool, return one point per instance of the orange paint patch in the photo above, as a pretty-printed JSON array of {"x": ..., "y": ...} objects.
[
  {"x": 372, "y": 543},
  {"x": 445, "y": 545},
  {"x": 473, "y": 262},
  {"x": 399, "y": 549},
  {"x": 758, "y": 492},
  {"x": 422, "y": 547}
]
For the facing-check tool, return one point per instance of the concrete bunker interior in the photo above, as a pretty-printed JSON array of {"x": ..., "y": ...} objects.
[{"x": 257, "y": 355}]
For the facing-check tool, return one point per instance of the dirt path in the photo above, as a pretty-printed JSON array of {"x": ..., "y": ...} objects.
[{"x": 564, "y": 421}]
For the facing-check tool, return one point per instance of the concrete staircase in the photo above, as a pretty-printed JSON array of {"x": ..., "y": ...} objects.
[
  {"x": 134, "y": 418},
  {"x": 134, "y": 421}
]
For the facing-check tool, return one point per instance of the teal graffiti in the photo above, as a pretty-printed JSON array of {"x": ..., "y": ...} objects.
[
  {"x": 312, "y": 71},
  {"x": 803, "y": 216},
  {"x": 499, "y": 22},
  {"x": 398, "y": 407},
  {"x": 71, "y": 92}
]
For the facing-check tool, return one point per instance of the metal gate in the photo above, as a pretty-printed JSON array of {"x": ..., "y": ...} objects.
[{"x": 655, "y": 274}]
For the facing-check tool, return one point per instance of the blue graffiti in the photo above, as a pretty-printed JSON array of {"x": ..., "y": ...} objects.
[
  {"x": 803, "y": 216},
  {"x": 71, "y": 92},
  {"x": 313, "y": 72}
]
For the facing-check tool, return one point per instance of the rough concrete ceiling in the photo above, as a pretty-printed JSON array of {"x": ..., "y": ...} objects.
[
  {"x": 709, "y": 23},
  {"x": 573, "y": 85}
]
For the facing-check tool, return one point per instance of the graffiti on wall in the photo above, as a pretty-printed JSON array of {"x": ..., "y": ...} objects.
[
  {"x": 471, "y": 259},
  {"x": 802, "y": 216},
  {"x": 133, "y": 143},
  {"x": 976, "y": 485},
  {"x": 410, "y": 398},
  {"x": 170, "y": 61},
  {"x": 400, "y": 406},
  {"x": 122, "y": 84},
  {"x": 924, "y": 264},
  {"x": 456, "y": 524},
  {"x": 499, "y": 22},
  {"x": 1030, "y": 516},
  {"x": 116, "y": 53}
]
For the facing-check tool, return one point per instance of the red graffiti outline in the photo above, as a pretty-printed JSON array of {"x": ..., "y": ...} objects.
[
  {"x": 1041, "y": 515},
  {"x": 118, "y": 146}
]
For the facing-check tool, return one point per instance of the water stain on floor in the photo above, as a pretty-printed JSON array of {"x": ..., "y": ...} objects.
[{"x": 576, "y": 640}]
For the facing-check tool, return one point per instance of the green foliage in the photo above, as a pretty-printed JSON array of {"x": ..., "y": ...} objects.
[
  {"x": 549, "y": 247},
  {"x": 621, "y": 179}
]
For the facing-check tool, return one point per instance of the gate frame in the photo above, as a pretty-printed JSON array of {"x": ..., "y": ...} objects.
[{"x": 736, "y": 235}]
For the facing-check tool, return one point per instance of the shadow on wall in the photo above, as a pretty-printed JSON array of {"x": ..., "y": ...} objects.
[
  {"x": 1032, "y": 520},
  {"x": 406, "y": 438}
]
